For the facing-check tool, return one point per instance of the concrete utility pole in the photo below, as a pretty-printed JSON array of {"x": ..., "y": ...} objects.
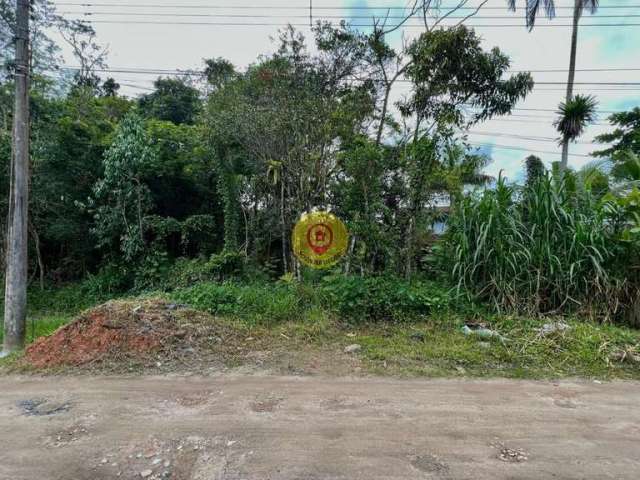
[{"x": 15, "y": 294}]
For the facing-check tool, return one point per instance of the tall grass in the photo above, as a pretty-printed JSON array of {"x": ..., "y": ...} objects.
[{"x": 539, "y": 249}]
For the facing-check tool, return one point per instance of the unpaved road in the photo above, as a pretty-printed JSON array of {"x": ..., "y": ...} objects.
[{"x": 254, "y": 427}]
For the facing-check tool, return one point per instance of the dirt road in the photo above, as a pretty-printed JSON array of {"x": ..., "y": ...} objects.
[{"x": 253, "y": 427}]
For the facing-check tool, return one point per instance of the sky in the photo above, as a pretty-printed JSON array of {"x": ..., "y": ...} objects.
[{"x": 196, "y": 33}]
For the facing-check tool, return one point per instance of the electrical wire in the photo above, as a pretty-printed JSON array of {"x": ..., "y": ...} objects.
[
  {"x": 305, "y": 7},
  {"x": 318, "y": 17},
  {"x": 520, "y": 149},
  {"x": 265, "y": 24}
]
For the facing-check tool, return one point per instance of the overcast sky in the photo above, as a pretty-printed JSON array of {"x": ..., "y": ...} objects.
[{"x": 183, "y": 46}]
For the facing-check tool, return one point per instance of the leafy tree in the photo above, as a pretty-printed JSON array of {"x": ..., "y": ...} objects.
[
  {"x": 451, "y": 72},
  {"x": 274, "y": 131},
  {"x": 626, "y": 136},
  {"x": 69, "y": 137},
  {"x": 173, "y": 100},
  {"x": 120, "y": 198},
  {"x": 110, "y": 87},
  {"x": 183, "y": 169},
  {"x": 534, "y": 169},
  {"x": 218, "y": 71}
]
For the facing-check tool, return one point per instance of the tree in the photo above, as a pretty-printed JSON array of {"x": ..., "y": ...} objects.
[
  {"x": 275, "y": 132},
  {"x": 625, "y": 170},
  {"x": 70, "y": 136},
  {"x": 532, "y": 9},
  {"x": 110, "y": 87},
  {"x": 44, "y": 52},
  {"x": 573, "y": 117},
  {"x": 451, "y": 72},
  {"x": 121, "y": 199},
  {"x": 218, "y": 72},
  {"x": 625, "y": 137},
  {"x": 173, "y": 101},
  {"x": 534, "y": 169},
  {"x": 81, "y": 37}
]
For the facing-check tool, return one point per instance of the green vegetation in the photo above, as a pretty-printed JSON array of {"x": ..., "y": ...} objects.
[
  {"x": 535, "y": 250},
  {"x": 304, "y": 325},
  {"x": 554, "y": 245},
  {"x": 440, "y": 349},
  {"x": 190, "y": 192},
  {"x": 353, "y": 300}
]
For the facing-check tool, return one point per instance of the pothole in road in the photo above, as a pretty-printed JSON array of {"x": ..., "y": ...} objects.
[
  {"x": 43, "y": 407},
  {"x": 510, "y": 455},
  {"x": 69, "y": 435},
  {"x": 429, "y": 464},
  {"x": 266, "y": 404}
]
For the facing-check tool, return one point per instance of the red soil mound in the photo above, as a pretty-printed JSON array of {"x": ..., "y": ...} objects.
[{"x": 111, "y": 330}]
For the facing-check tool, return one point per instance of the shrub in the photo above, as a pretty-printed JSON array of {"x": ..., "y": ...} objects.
[
  {"x": 363, "y": 299},
  {"x": 260, "y": 304}
]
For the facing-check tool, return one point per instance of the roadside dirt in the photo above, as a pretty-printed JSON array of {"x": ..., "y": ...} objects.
[
  {"x": 156, "y": 337},
  {"x": 124, "y": 332},
  {"x": 311, "y": 428}
]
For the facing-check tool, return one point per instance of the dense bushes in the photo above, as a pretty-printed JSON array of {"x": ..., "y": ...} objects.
[
  {"x": 545, "y": 248},
  {"x": 351, "y": 299},
  {"x": 381, "y": 298},
  {"x": 257, "y": 303}
]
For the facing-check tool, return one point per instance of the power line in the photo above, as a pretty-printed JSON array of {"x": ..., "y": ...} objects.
[
  {"x": 530, "y": 138},
  {"x": 555, "y": 111},
  {"x": 564, "y": 83},
  {"x": 265, "y": 24},
  {"x": 508, "y": 147},
  {"x": 508, "y": 119},
  {"x": 151, "y": 71},
  {"x": 317, "y": 17},
  {"x": 298, "y": 7}
]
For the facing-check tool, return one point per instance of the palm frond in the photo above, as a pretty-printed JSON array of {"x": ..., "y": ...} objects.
[
  {"x": 533, "y": 7},
  {"x": 574, "y": 116}
]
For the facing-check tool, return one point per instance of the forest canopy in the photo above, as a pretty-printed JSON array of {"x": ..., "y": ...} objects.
[{"x": 224, "y": 164}]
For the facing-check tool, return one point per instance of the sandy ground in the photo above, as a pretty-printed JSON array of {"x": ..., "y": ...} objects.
[{"x": 258, "y": 427}]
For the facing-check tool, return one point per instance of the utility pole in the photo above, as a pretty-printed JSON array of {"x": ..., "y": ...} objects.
[{"x": 15, "y": 294}]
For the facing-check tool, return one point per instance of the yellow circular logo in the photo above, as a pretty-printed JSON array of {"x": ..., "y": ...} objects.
[{"x": 319, "y": 239}]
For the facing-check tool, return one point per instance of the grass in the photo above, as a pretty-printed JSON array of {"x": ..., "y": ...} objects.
[
  {"x": 441, "y": 349},
  {"x": 42, "y": 326},
  {"x": 51, "y": 308},
  {"x": 546, "y": 247},
  {"x": 294, "y": 330}
]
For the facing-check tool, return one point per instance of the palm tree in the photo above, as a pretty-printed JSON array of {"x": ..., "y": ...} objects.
[
  {"x": 579, "y": 6},
  {"x": 573, "y": 117}
]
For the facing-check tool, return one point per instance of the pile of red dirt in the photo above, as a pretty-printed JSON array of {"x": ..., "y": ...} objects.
[{"x": 118, "y": 331}]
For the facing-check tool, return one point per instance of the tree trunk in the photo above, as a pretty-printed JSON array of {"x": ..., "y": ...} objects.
[
  {"x": 383, "y": 114},
  {"x": 15, "y": 294},
  {"x": 283, "y": 230},
  {"x": 577, "y": 12},
  {"x": 36, "y": 242}
]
